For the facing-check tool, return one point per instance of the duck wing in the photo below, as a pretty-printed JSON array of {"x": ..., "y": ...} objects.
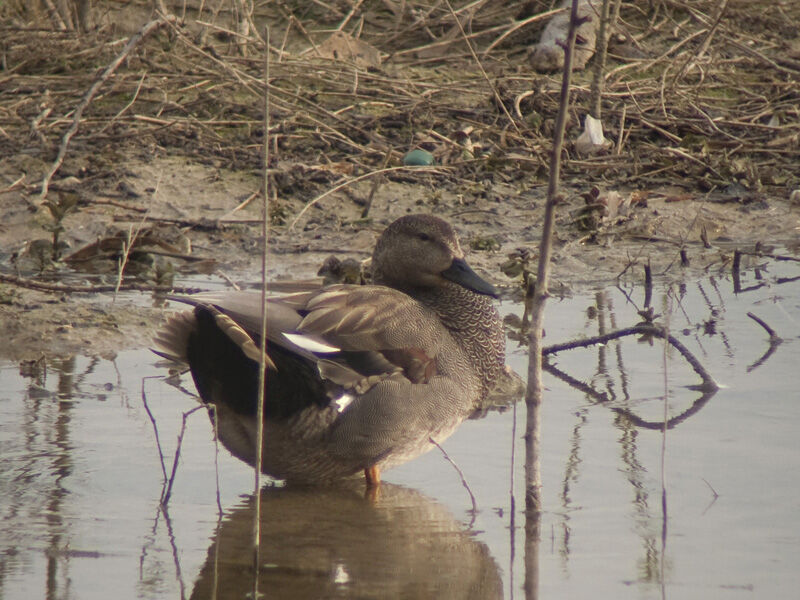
[
  {"x": 376, "y": 330},
  {"x": 322, "y": 344}
]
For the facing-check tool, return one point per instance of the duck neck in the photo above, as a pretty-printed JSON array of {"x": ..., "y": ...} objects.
[{"x": 474, "y": 322}]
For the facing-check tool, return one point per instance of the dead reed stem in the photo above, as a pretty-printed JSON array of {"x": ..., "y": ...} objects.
[
  {"x": 262, "y": 367},
  {"x": 599, "y": 67}
]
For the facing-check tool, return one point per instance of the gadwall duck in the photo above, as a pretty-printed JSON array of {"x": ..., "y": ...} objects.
[{"x": 360, "y": 378}]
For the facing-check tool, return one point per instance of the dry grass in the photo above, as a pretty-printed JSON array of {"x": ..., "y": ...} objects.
[{"x": 712, "y": 99}]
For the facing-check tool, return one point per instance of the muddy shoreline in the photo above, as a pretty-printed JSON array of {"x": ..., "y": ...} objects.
[
  {"x": 171, "y": 148},
  {"x": 492, "y": 228}
]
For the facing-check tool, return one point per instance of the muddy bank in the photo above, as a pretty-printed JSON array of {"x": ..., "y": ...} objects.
[
  {"x": 169, "y": 150},
  {"x": 498, "y": 225}
]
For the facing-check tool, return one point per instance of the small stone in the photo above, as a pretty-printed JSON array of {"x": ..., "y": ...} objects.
[
  {"x": 794, "y": 197},
  {"x": 418, "y": 158}
]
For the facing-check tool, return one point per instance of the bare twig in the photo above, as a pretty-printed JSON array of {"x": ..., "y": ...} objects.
[
  {"x": 497, "y": 97},
  {"x": 375, "y": 185},
  {"x": 534, "y": 392},
  {"x": 155, "y": 427},
  {"x": 460, "y": 474},
  {"x": 17, "y": 183},
  {"x": 127, "y": 246},
  {"x": 166, "y": 493},
  {"x": 356, "y": 180},
  {"x": 703, "y": 46},
  {"x": 521, "y": 24},
  {"x": 55, "y": 16},
  {"x": 708, "y": 382},
  {"x": 601, "y": 50},
  {"x": 713, "y": 491}
]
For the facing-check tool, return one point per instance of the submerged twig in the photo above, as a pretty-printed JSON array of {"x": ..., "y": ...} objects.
[{"x": 460, "y": 474}]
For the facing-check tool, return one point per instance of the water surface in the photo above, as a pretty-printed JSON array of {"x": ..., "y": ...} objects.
[{"x": 709, "y": 509}]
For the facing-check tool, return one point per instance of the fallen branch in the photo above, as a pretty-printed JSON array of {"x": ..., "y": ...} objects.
[
  {"x": 661, "y": 332},
  {"x": 61, "y": 288}
]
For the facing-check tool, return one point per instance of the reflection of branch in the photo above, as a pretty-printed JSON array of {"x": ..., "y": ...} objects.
[
  {"x": 175, "y": 554},
  {"x": 737, "y": 282},
  {"x": 708, "y": 382},
  {"x": 779, "y": 257},
  {"x": 601, "y": 398},
  {"x": 588, "y": 390},
  {"x": 770, "y": 351},
  {"x": 773, "y": 337}
]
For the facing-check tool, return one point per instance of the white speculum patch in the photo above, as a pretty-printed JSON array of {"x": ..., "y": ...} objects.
[
  {"x": 309, "y": 344},
  {"x": 343, "y": 402}
]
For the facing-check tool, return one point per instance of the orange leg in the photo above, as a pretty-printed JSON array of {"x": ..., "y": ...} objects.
[{"x": 373, "y": 476}]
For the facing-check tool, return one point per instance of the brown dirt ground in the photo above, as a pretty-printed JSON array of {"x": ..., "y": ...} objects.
[{"x": 196, "y": 167}]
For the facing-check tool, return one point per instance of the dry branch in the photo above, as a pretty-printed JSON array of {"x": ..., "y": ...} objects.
[
  {"x": 708, "y": 383},
  {"x": 61, "y": 288}
]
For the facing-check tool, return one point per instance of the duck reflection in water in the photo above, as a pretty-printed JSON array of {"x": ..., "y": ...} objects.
[{"x": 333, "y": 543}]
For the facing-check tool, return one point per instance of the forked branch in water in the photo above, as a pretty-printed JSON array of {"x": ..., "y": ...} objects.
[{"x": 708, "y": 383}]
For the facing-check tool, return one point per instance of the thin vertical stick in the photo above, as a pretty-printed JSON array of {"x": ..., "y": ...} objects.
[
  {"x": 664, "y": 359},
  {"x": 496, "y": 94},
  {"x": 512, "y": 509},
  {"x": 601, "y": 49},
  {"x": 262, "y": 367},
  {"x": 534, "y": 391}
]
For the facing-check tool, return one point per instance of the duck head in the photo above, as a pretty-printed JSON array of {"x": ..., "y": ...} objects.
[{"x": 422, "y": 251}]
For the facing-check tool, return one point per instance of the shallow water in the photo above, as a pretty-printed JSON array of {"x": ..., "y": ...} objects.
[{"x": 81, "y": 478}]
